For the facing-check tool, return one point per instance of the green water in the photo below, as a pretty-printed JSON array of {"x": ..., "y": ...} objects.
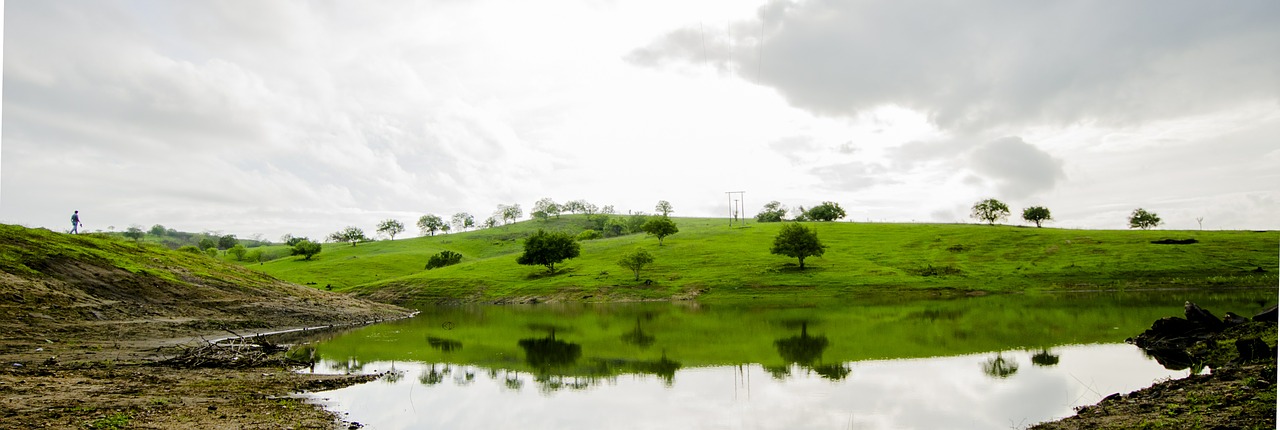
[{"x": 643, "y": 353}]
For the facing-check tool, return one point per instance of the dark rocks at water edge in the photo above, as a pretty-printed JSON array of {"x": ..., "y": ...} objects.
[{"x": 1180, "y": 343}]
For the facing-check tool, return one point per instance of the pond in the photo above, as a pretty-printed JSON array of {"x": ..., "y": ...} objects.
[{"x": 1006, "y": 361}]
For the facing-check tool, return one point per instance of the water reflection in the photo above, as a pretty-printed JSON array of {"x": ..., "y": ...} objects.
[
  {"x": 941, "y": 392},
  {"x": 638, "y": 337},
  {"x": 1044, "y": 358},
  {"x": 1000, "y": 367},
  {"x": 890, "y": 364},
  {"x": 547, "y": 353},
  {"x": 443, "y": 345},
  {"x": 806, "y": 352}
]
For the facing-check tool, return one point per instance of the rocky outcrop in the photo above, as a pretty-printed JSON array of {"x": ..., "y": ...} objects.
[{"x": 1180, "y": 343}]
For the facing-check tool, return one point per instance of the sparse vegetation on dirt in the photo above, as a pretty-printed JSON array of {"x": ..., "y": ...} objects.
[{"x": 94, "y": 327}]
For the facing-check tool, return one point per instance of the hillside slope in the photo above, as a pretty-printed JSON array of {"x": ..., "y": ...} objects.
[
  {"x": 94, "y": 286},
  {"x": 712, "y": 261}
]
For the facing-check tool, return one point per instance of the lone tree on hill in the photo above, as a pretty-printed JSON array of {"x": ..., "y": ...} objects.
[
  {"x": 352, "y": 235},
  {"x": 547, "y": 249},
  {"x": 663, "y": 207},
  {"x": 796, "y": 240},
  {"x": 827, "y": 211},
  {"x": 660, "y": 227},
  {"x": 391, "y": 227},
  {"x": 772, "y": 212},
  {"x": 1037, "y": 215},
  {"x": 306, "y": 249},
  {"x": 636, "y": 260},
  {"x": 430, "y": 224},
  {"x": 1142, "y": 219},
  {"x": 990, "y": 210}
]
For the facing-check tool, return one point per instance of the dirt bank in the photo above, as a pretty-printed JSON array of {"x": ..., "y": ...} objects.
[
  {"x": 79, "y": 374},
  {"x": 86, "y": 322}
]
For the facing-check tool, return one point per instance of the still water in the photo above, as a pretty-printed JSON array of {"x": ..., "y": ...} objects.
[{"x": 974, "y": 363}]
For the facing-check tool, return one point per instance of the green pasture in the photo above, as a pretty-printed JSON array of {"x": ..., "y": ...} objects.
[{"x": 710, "y": 260}]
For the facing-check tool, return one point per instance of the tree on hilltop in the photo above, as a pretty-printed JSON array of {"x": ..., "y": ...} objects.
[
  {"x": 1037, "y": 215},
  {"x": 772, "y": 212},
  {"x": 509, "y": 214},
  {"x": 796, "y": 240},
  {"x": 547, "y": 249},
  {"x": 463, "y": 221},
  {"x": 827, "y": 211},
  {"x": 1142, "y": 219},
  {"x": 547, "y": 208},
  {"x": 990, "y": 210},
  {"x": 391, "y": 227},
  {"x": 664, "y": 208},
  {"x": 430, "y": 224},
  {"x": 350, "y": 235}
]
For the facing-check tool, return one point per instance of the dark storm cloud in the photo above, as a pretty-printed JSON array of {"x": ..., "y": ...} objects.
[{"x": 977, "y": 65}]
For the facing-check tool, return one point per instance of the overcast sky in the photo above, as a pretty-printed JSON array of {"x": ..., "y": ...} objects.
[{"x": 302, "y": 117}]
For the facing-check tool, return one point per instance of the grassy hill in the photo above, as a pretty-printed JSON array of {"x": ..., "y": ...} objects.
[
  {"x": 96, "y": 285},
  {"x": 709, "y": 260}
]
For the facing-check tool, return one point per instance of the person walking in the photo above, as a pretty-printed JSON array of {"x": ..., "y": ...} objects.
[{"x": 75, "y": 222}]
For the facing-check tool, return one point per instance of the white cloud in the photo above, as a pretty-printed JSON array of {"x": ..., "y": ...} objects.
[
  {"x": 991, "y": 64},
  {"x": 305, "y": 117}
]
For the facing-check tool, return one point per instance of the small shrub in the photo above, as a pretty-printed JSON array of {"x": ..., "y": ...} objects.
[
  {"x": 118, "y": 420},
  {"x": 931, "y": 270},
  {"x": 192, "y": 249},
  {"x": 588, "y": 235},
  {"x": 444, "y": 258}
]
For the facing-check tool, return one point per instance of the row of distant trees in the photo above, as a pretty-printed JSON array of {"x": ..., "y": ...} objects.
[
  {"x": 992, "y": 211},
  {"x": 602, "y": 220},
  {"x": 547, "y": 249},
  {"x": 989, "y": 211}
]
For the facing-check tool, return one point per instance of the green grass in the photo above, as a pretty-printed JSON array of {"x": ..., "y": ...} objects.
[{"x": 708, "y": 258}]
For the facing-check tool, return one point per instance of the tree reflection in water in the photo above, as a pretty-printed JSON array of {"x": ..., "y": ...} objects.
[
  {"x": 638, "y": 337},
  {"x": 547, "y": 352},
  {"x": 433, "y": 376},
  {"x": 805, "y": 350},
  {"x": 1044, "y": 358},
  {"x": 999, "y": 367},
  {"x": 443, "y": 345}
]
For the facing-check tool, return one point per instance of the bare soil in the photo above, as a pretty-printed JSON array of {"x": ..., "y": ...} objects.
[{"x": 82, "y": 345}]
